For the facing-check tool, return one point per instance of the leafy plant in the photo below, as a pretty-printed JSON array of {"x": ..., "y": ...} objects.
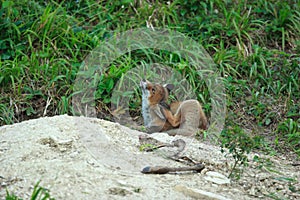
[
  {"x": 236, "y": 143},
  {"x": 38, "y": 193},
  {"x": 148, "y": 147},
  {"x": 289, "y": 132}
]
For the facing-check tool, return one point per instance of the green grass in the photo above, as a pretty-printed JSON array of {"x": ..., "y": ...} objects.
[
  {"x": 255, "y": 45},
  {"x": 38, "y": 193}
]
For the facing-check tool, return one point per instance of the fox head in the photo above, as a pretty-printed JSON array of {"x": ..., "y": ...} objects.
[{"x": 155, "y": 93}]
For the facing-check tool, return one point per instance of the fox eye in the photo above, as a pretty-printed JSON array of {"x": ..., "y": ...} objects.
[{"x": 153, "y": 90}]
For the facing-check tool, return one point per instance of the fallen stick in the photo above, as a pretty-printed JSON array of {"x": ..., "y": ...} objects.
[{"x": 164, "y": 170}]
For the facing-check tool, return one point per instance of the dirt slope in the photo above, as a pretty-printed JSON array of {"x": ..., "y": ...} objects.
[{"x": 85, "y": 158}]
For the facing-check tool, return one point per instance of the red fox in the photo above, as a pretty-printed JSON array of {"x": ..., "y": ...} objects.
[
  {"x": 156, "y": 112},
  {"x": 178, "y": 118}
]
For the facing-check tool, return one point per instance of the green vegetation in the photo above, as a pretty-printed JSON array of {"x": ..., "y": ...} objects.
[
  {"x": 38, "y": 193},
  {"x": 238, "y": 144},
  {"x": 255, "y": 44}
]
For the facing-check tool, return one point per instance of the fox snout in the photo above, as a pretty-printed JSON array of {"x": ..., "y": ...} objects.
[{"x": 143, "y": 84}]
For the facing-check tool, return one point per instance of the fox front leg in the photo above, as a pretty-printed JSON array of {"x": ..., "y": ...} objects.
[
  {"x": 165, "y": 115},
  {"x": 174, "y": 120}
]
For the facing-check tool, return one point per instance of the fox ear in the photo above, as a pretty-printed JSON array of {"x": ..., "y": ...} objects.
[{"x": 169, "y": 87}]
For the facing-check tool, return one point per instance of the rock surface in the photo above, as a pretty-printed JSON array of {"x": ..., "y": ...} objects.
[{"x": 87, "y": 158}]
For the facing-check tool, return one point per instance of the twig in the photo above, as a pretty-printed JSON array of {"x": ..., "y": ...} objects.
[{"x": 164, "y": 170}]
